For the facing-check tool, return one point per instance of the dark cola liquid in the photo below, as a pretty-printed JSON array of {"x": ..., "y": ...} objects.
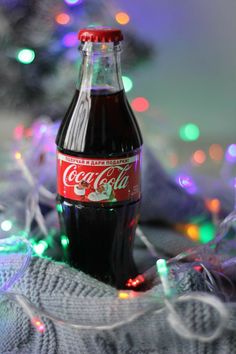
[{"x": 101, "y": 235}]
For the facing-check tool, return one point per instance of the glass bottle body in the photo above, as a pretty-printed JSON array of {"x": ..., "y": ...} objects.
[{"x": 100, "y": 137}]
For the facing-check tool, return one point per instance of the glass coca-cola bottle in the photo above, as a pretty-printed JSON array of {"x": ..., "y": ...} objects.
[{"x": 99, "y": 155}]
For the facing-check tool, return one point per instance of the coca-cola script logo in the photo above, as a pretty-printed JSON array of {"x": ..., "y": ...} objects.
[
  {"x": 72, "y": 177},
  {"x": 99, "y": 179}
]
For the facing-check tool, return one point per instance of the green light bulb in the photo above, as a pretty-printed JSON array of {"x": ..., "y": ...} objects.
[
  {"x": 206, "y": 232},
  {"x": 189, "y": 132},
  {"x": 40, "y": 247},
  {"x": 162, "y": 268},
  {"x": 59, "y": 208},
  {"x": 64, "y": 241},
  {"x": 26, "y": 56},
  {"x": 127, "y": 82}
]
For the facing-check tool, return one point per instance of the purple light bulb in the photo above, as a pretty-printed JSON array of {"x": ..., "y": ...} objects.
[
  {"x": 187, "y": 183},
  {"x": 73, "y": 2},
  {"x": 231, "y": 153},
  {"x": 70, "y": 39}
]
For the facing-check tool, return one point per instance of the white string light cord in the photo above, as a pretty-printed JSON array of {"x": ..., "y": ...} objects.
[
  {"x": 180, "y": 327},
  {"x": 32, "y": 202},
  {"x": 12, "y": 241},
  {"x": 146, "y": 242},
  {"x": 30, "y": 309},
  {"x": 175, "y": 320},
  {"x": 173, "y": 317}
]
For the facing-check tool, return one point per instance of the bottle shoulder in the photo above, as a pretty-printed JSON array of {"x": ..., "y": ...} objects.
[{"x": 99, "y": 123}]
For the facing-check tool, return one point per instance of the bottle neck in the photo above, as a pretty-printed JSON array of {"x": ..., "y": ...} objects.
[{"x": 100, "y": 71}]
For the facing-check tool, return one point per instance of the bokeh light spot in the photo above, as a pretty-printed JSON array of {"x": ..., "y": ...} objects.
[
  {"x": 231, "y": 152},
  {"x": 73, "y": 2},
  {"x": 206, "y": 232},
  {"x": 187, "y": 183},
  {"x": 127, "y": 82},
  {"x": 38, "y": 324},
  {"x": 26, "y": 56},
  {"x": 70, "y": 39},
  {"x": 189, "y": 132},
  {"x": 6, "y": 225},
  {"x": 64, "y": 241},
  {"x": 19, "y": 132},
  {"x": 193, "y": 232},
  {"x": 59, "y": 208},
  {"x": 216, "y": 152},
  {"x": 28, "y": 132},
  {"x": 40, "y": 247},
  {"x": 213, "y": 205},
  {"x": 199, "y": 157},
  {"x": 18, "y": 155},
  {"x": 122, "y": 18},
  {"x": 140, "y": 104},
  {"x": 62, "y": 18},
  {"x": 123, "y": 295}
]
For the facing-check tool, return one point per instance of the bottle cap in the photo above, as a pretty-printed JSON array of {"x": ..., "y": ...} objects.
[{"x": 100, "y": 34}]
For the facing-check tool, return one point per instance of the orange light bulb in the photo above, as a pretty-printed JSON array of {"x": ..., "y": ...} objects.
[
  {"x": 62, "y": 18},
  {"x": 199, "y": 157},
  {"x": 122, "y": 18}
]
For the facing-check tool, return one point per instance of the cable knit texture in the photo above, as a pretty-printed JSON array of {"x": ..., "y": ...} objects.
[{"x": 74, "y": 296}]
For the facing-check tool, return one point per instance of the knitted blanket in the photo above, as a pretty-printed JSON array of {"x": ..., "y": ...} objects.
[{"x": 76, "y": 297}]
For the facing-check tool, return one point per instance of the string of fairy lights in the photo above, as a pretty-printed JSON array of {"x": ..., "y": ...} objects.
[
  {"x": 160, "y": 272},
  {"x": 44, "y": 134}
]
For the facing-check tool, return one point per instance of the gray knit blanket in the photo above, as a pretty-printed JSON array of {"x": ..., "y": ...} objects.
[{"x": 76, "y": 297}]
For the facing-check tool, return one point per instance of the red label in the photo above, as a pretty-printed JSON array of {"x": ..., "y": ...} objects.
[{"x": 98, "y": 180}]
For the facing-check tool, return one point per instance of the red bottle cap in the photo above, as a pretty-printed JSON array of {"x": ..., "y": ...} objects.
[{"x": 100, "y": 34}]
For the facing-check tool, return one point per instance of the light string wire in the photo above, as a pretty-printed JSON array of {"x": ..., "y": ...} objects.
[
  {"x": 32, "y": 309},
  {"x": 180, "y": 327},
  {"x": 141, "y": 235},
  {"x": 174, "y": 319},
  {"x": 32, "y": 201},
  {"x": 25, "y": 264}
]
